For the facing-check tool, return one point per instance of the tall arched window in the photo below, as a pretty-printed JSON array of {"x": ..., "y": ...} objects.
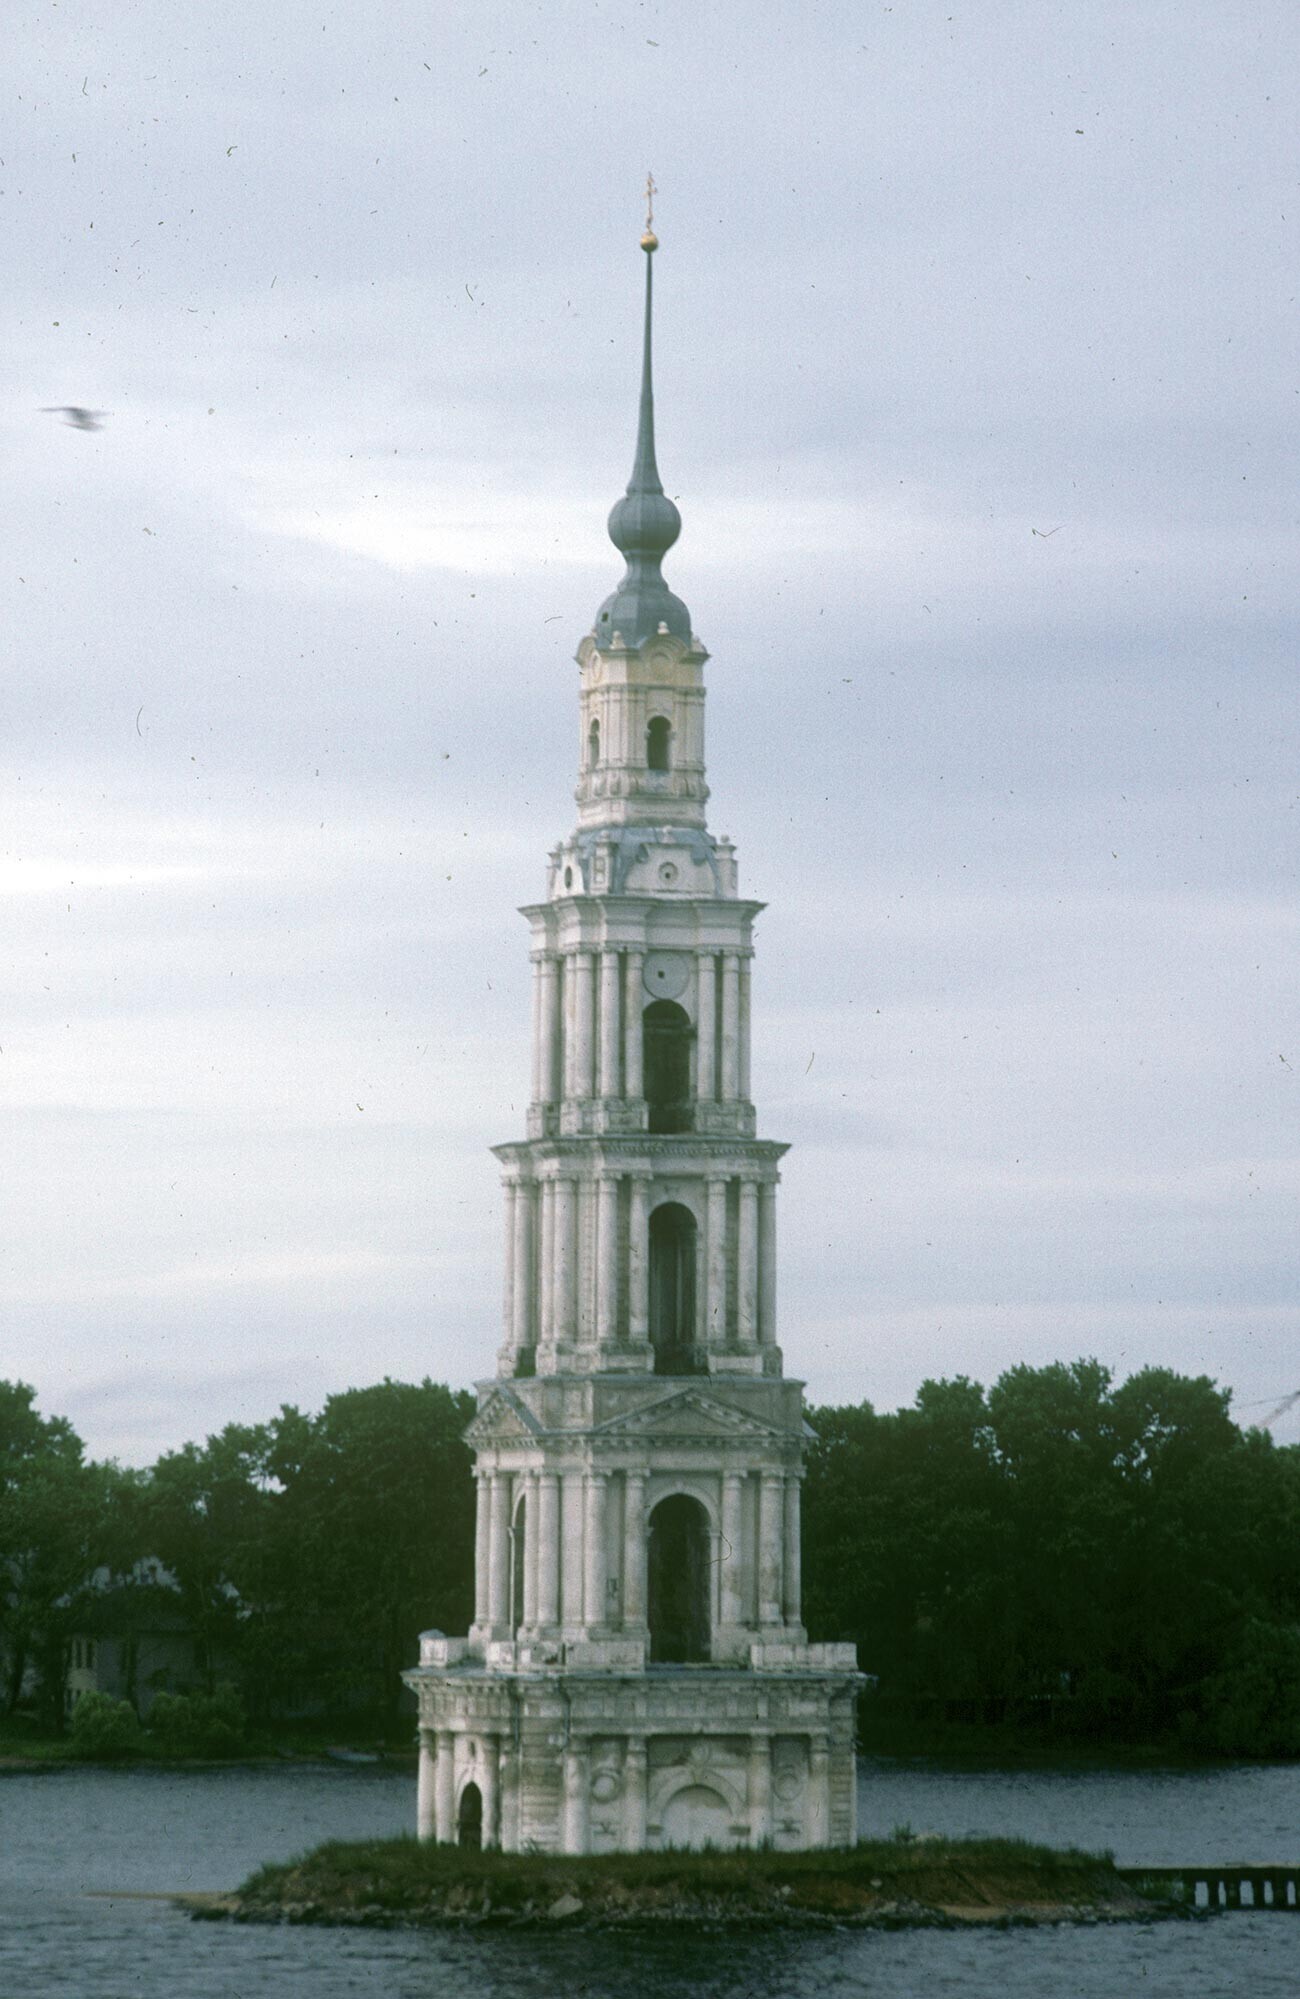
[
  {"x": 672, "y": 1289},
  {"x": 659, "y": 743},
  {"x": 518, "y": 1543},
  {"x": 593, "y": 744},
  {"x": 666, "y": 1039},
  {"x": 678, "y": 1579}
]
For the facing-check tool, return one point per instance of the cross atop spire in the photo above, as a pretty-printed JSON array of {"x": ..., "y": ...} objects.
[
  {"x": 644, "y": 524},
  {"x": 649, "y": 240}
]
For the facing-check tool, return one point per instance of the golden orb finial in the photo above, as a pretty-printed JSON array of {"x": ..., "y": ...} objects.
[{"x": 649, "y": 241}]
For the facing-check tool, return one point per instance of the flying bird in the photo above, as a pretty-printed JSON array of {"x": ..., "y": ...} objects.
[{"x": 73, "y": 414}]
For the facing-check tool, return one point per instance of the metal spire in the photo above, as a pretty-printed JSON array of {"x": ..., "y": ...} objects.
[{"x": 644, "y": 524}]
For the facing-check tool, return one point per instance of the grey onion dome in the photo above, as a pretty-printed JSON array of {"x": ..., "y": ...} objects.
[{"x": 643, "y": 526}]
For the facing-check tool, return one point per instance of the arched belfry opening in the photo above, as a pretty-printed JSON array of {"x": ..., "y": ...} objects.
[
  {"x": 518, "y": 1543},
  {"x": 469, "y": 1818},
  {"x": 593, "y": 744},
  {"x": 659, "y": 743},
  {"x": 667, "y": 1034},
  {"x": 672, "y": 1289},
  {"x": 679, "y": 1582}
]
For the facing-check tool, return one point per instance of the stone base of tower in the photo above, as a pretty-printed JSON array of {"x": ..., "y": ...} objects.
[{"x": 566, "y": 1760}]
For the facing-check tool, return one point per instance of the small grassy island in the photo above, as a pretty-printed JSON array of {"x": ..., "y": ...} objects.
[{"x": 889, "y": 1883}]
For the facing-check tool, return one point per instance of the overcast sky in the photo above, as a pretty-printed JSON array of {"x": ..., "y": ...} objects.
[{"x": 977, "y": 390}]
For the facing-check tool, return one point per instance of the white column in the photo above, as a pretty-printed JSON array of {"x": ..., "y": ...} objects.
[
  {"x": 742, "y": 1076},
  {"x": 635, "y": 1761},
  {"x": 633, "y": 1053},
  {"x": 568, "y": 1009},
  {"x": 426, "y": 1813},
  {"x": 530, "y": 1548},
  {"x": 607, "y": 1259},
  {"x": 539, "y": 1031},
  {"x": 546, "y": 1265},
  {"x": 731, "y": 1554},
  {"x": 584, "y": 1020},
  {"x": 510, "y": 1191},
  {"x": 550, "y": 1080},
  {"x": 565, "y": 1248},
  {"x": 638, "y": 1260},
  {"x": 499, "y": 1553},
  {"x": 760, "y": 1789},
  {"x": 575, "y": 1798},
  {"x": 634, "y": 1551},
  {"x": 548, "y": 1548},
  {"x": 490, "y": 1790},
  {"x": 521, "y": 1321},
  {"x": 747, "y": 1266},
  {"x": 593, "y": 1592},
  {"x": 609, "y": 1024},
  {"x": 793, "y": 1552},
  {"x": 771, "y": 1538},
  {"x": 444, "y": 1788},
  {"x": 767, "y": 1265},
  {"x": 706, "y": 1026},
  {"x": 482, "y": 1546},
  {"x": 730, "y": 1027},
  {"x": 586, "y": 1252},
  {"x": 715, "y": 1311},
  {"x": 571, "y": 1511}
]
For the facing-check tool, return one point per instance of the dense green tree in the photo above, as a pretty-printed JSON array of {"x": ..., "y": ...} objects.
[
  {"x": 1115, "y": 1559},
  {"x": 374, "y": 1533},
  {"x": 54, "y": 1511}
]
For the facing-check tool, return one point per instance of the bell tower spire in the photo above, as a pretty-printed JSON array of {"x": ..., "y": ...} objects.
[
  {"x": 638, "y": 1673},
  {"x": 645, "y": 523},
  {"x": 641, "y": 754}
]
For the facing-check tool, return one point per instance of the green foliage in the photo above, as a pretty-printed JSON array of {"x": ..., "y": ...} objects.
[
  {"x": 105, "y": 1729},
  {"x": 1115, "y": 1562},
  {"x": 1119, "y": 1563},
  {"x": 212, "y": 1724},
  {"x": 55, "y": 1533}
]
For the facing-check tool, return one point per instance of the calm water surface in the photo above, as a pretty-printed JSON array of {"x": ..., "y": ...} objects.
[{"x": 76, "y": 1847}]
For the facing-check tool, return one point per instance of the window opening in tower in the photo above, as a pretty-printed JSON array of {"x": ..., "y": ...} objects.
[
  {"x": 672, "y": 1290},
  {"x": 679, "y": 1582},
  {"x": 667, "y": 1035}
]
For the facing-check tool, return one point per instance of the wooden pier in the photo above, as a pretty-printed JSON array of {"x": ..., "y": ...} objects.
[{"x": 1268, "y": 1888}]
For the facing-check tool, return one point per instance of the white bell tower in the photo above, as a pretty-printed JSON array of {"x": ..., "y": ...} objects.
[{"x": 637, "y": 1673}]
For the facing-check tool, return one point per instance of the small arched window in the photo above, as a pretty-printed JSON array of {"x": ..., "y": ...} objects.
[
  {"x": 659, "y": 743},
  {"x": 593, "y": 745}
]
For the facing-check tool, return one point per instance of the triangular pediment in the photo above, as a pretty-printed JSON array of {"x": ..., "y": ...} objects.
[
  {"x": 502, "y": 1420},
  {"x": 687, "y": 1412}
]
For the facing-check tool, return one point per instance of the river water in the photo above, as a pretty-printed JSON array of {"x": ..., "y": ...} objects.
[{"x": 82, "y": 1852}]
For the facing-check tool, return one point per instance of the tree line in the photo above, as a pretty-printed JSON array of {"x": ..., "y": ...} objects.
[{"x": 1057, "y": 1551}]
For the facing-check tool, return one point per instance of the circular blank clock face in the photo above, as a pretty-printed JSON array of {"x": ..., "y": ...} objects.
[{"x": 666, "y": 973}]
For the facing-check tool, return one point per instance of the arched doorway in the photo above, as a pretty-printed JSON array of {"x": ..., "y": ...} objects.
[
  {"x": 518, "y": 1543},
  {"x": 679, "y": 1582},
  {"x": 469, "y": 1819},
  {"x": 667, "y": 1033},
  {"x": 672, "y": 1289}
]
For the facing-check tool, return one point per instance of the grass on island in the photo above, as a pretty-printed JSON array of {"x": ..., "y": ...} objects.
[{"x": 403, "y": 1880}]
